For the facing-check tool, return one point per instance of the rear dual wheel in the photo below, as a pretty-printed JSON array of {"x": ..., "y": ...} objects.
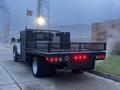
[{"x": 41, "y": 68}]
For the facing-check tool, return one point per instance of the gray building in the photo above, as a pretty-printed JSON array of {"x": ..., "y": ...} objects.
[{"x": 108, "y": 31}]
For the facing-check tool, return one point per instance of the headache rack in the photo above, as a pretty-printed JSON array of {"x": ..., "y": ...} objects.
[{"x": 57, "y": 47}]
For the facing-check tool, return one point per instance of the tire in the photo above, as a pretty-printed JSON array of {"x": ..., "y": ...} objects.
[
  {"x": 41, "y": 68},
  {"x": 16, "y": 57},
  {"x": 77, "y": 71}
]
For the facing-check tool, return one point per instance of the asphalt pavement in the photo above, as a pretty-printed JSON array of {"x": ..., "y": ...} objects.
[{"x": 18, "y": 76}]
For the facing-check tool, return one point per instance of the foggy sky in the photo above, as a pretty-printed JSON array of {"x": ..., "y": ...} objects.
[
  {"x": 66, "y": 12},
  {"x": 3, "y": 15}
]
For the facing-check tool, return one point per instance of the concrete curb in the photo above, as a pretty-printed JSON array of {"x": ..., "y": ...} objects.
[{"x": 105, "y": 75}]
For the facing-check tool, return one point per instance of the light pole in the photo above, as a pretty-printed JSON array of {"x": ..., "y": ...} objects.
[{"x": 7, "y": 31}]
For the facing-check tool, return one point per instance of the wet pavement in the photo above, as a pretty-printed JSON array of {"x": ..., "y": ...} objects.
[{"x": 18, "y": 76}]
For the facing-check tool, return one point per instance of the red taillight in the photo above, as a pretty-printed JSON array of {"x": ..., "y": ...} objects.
[
  {"x": 80, "y": 57},
  {"x": 56, "y": 59},
  {"x": 52, "y": 59},
  {"x": 101, "y": 56}
]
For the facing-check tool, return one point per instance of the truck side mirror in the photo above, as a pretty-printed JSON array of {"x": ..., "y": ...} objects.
[
  {"x": 13, "y": 40},
  {"x": 18, "y": 40}
]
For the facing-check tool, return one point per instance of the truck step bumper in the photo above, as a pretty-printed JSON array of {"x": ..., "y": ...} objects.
[{"x": 81, "y": 65}]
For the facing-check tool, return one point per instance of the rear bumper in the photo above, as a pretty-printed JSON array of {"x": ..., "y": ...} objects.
[{"x": 81, "y": 65}]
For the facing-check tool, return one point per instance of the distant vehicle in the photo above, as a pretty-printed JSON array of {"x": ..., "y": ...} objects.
[{"x": 48, "y": 50}]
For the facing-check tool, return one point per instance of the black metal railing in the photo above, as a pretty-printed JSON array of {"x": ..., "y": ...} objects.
[{"x": 58, "y": 47}]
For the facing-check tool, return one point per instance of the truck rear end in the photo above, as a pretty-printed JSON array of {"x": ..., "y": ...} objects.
[
  {"x": 77, "y": 60},
  {"x": 48, "y": 50}
]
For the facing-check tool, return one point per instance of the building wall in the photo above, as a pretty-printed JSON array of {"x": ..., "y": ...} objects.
[{"x": 108, "y": 31}]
